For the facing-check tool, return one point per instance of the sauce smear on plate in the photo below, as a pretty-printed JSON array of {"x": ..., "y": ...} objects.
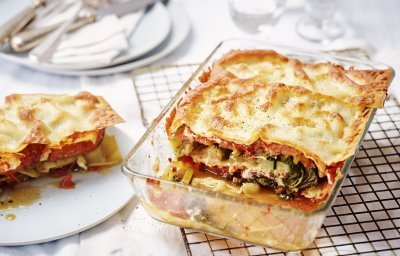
[{"x": 20, "y": 196}]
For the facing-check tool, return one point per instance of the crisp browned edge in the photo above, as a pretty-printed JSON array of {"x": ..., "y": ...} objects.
[
  {"x": 373, "y": 94},
  {"x": 357, "y": 128},
  {"x": 107, "y": 115}
]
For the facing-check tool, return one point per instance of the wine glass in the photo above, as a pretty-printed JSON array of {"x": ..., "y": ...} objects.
[
  {"x": 320, "y": 23},
  {"x": 256, "y": 16}
]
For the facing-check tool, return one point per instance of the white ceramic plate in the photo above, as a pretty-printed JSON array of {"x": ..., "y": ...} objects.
[
  {"x": 63, "y": 212},
  {"x": 151, "y": 31},
  {"x": 179, "y": 31}
]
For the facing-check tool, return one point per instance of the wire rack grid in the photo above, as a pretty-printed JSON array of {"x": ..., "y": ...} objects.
[{"x": 365, "y": 218}]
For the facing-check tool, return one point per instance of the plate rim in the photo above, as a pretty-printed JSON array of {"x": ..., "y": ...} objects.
[
  {"x": 26, "y": 61},
  {"x": 74, "y": 232},
  {"x": 174, "y": 8},
  {"x": 114, "y": 175},
  {"x": 176, "y": 12}
]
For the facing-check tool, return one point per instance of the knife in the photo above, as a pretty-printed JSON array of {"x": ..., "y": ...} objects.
[
  {"x": 19, "y": 21},
  {"x": 27, "y": 40}
]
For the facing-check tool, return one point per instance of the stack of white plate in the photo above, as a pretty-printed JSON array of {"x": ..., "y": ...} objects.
[{"x": 160, "y": 32}]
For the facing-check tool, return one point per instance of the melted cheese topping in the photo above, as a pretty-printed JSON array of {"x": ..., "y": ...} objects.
[
  {"x": 51, "y": 120},
  {"x": 325, "y": 129},
  {"x": 48, "y": 119},
  {"x": 362, "y": 87}
]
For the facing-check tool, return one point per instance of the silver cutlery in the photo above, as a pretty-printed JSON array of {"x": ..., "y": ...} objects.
[
  {"x": 44, "y": 51},
  {"x": 35, "y": 33},
  {"x": 51, "y": 10},
  {"x": 19, "y": 21},
  {"x": 30, "y": 38}
]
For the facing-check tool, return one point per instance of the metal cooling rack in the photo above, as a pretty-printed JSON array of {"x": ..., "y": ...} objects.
[
  {"x": 156, "y": 85},
  {"x": 365, "y": 218}
]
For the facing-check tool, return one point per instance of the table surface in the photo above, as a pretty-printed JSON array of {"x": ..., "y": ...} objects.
[{"x": 374, "y": 25}]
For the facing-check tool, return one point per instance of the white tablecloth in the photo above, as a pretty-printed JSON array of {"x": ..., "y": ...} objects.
[{"x": 375, "y": 25}]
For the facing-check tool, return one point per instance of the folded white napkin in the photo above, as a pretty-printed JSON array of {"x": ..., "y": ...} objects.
[
  {"x": 54, "y": 13},
  {"x": 99, "y": 42}
]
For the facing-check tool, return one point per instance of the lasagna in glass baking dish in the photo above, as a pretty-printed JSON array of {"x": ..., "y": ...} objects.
[
  {"x": 262, "y": 121},
  {"x": 51, "y": 135}
]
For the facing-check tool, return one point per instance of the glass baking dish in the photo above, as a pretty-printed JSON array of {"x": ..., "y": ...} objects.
[{"x": 275, "y": 226}]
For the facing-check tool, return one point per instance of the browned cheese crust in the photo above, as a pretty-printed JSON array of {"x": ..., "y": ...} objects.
[
  {"x": 46, "y": 123},
  {"x": 367, "y": 88},
  {"x": 243, "y": 111},
  {"x": 258, "y": 104}
]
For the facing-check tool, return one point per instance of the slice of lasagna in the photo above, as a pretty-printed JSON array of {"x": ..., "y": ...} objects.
[
  {"x": 43, "y": 134},
  {"x": 273, "y": 128}
]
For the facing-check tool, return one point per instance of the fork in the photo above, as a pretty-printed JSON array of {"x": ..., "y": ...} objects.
[
  {"x": 18, "y": 22},
  {"x": 44, "y": 51}
]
